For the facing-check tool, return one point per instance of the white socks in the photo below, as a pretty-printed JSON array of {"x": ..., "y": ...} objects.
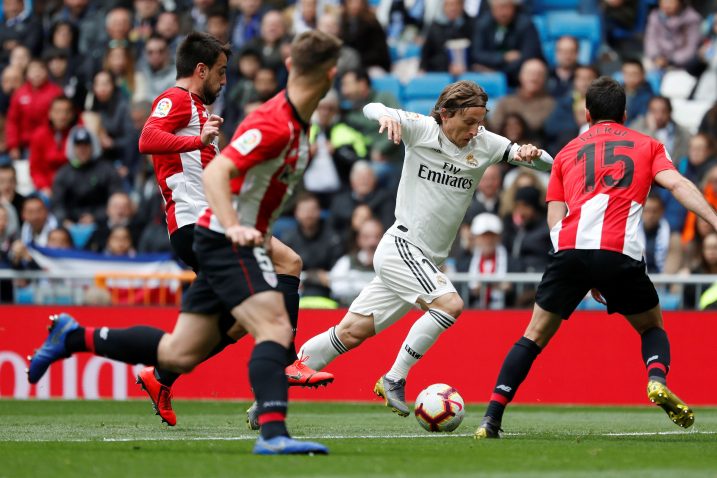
[
  {"x": 423, "y": 334},
  {"x": 322, "y": 349}
]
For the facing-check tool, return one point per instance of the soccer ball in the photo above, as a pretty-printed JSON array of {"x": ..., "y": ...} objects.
[{"x": 439, "y": 408}]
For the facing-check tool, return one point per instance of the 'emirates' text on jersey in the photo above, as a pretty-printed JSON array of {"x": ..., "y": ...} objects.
[
  {"x": 270, "y": 148},
  {"x": 172, "y": 136},
  {"x": 604, "y": 176},
  {"x": 438, "y": 179}
]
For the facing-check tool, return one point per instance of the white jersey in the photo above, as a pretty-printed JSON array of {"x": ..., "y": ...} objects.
[{"x": 439, "y": 178}]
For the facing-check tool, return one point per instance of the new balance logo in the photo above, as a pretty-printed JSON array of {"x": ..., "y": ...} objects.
[
  {"x": 104, "y": 332},
  {"x": 412, "y": 352},
  {"x": 654, "y": 357},
  {"x": 505, "y": 388}
]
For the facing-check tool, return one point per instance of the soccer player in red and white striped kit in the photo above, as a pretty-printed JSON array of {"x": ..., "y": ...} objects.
[{"x": 598, "y": 186}]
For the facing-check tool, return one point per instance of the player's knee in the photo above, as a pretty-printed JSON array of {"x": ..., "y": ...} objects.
[
  {"x": 451, "y": 304},
  {"x": 180, "y": 363},
  {"x": 289, "y": 263}
]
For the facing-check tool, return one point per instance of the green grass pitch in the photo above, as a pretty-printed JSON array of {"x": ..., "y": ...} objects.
[{"x": 122, "y": 439}]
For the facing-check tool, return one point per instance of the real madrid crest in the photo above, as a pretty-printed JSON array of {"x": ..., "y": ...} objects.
[
  {"x": 471, "y": 160},
  {"x": 441, "y": 279}
]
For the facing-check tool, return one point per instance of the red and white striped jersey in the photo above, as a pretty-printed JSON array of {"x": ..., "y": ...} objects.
[
  {"x": 604, "y": 176},
  {"x": 270, "y": 148},
  {"x": 172, "y": 136}
]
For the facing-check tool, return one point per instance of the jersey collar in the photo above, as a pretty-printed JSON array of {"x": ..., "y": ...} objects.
[{"x": 304, "y": 124}]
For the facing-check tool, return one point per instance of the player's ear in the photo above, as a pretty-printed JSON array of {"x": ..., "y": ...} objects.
[
  {"x": 588, "y": 118},
  {"x": 333, "y": 72},
  {"x": 287, "y": 63},
  {"x": 624, "y": 117}
]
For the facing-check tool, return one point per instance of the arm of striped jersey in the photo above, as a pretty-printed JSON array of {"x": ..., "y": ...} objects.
[
  {"x": 543, "y": 163},
  {"x": 155, "y": 140}
]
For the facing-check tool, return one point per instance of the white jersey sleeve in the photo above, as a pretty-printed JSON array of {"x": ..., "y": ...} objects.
[{"x": 414, "y": 127}]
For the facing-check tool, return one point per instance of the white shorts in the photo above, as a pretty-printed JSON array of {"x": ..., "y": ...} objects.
[{"x": 403, "y": 276}]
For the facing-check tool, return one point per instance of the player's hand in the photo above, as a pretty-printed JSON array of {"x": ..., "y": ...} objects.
[
  {"x": 598, "y": 296},
  {"x": 244, "y": 236},
  {"x": 392, "y": 127},
  {"x": 211, "y": 129},
  {"x": 527, "y": 153}
]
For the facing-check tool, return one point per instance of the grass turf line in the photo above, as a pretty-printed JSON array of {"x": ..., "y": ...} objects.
[{"x": 65, "y": 438}]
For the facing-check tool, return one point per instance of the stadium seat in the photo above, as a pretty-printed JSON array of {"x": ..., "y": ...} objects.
[
  {"x": 677, "y": 84},
  {"x": 551, "y": 5},
  {"x": 423, "y": 107},
  {"x": 404, "y": 50},
  {"x": 282, "y": 225},
  {"x": 643, "y": 10},
  {"x": 81, "y": 234},
  {"x": 387, "y": 83},
  {"x": 574, "y": 24},
  {"x": 689, "y": 113},
  {"x": 494, "y": 83},
  {"x": 426, "y": 87},
  {"x": 542, "y": 26}
]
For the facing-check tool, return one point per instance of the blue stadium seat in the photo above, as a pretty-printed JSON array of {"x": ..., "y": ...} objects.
[
  {"x": 387, "y": 83},
  {"x": 574, "y": 24},
  {"x": 423, "y": 107},
  {"x": 494, "y": 83},
  {"x": 541, "y": 25},
  {"x": 81, "y": 234},
  {"x": 404, "y": 50},
  {"x": 282, "y": 225},
  {"x": 540, "y": 6},
  {"x": 426, "y": 87}
]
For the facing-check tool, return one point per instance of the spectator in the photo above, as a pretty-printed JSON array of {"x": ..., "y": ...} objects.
[
  {"x": 37, "y": 221},
  {"x": 117, "y": 26},
  {"x": 82, "y": 188},
  {"x": 272, "y": 43},
  {"x": 704, "y": 65},
  {"x": 157, "y": 72},
  {"x": 526, "y": 234},
  {"x": 131, "y": 162},
  {"x": 361, "y": 31},
  {"x": 19, "y": 27},
  {"x": 169, "y": 27},
  {"x": 566, "y": 62},
  {"x": 516, "y": 129},
  {"x": 453, "y": 25},
  {"x": 8, "y": 189},
  {"x": 349, "y": 58},
  {"x": 357, "y": 92},
  {"x": 708, "y": 124},
  {"x": 531, "y": 99},
  {"x": 303, "y": 16},
  {"x": 11, "y": 80},
  {"x": 119, "y": 212},
  {"x": 352, "y": 272},
  {"x": 63, "y": 35},
  {"x": 29, "y": 106},
  {"x": 113, "y": 111},
  {"x": 364, "y": 190},
  {"x": 198, "y": 13},
  {"x": 487, "y": 195},
  {"x": 567, "y": 120},
  {"x": 637, "y": 89},
  {"x": 335, "y": 147},
  {"x": 700, "y": 159},
  {"x": 238, "y": 95},
  {"x": 489, "y": 257},
  {"x": 20, "y": 56},
  {"x": 504, "y": 40},
  {"x": 20, "y": 257},
  {"x": 695, "y": 229},
  {"x": 246, "y": 22},
  {"x": 218, "y": 23},
  {"x": 119, "y": 243},
  {"x": 49, "y": 144},
  {"x": 655, "y": 234},
  {"x": 146, "y": 13},
  {"x": 706, "y": 265},
  {"x": 672, "y": 36},
  {"x": 119, "y": 61},
  {"x": 7, "y": 237},
  {"x": 658, "y": 123},
  {"x": 618, "y": 15},
  {"x": 63, "y": 73},
  {"x": 317, "y": 244},
  {"x": 512, "y": 181},
  {"x": 87, "y": 17}
]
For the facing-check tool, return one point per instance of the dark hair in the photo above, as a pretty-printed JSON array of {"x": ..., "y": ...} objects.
[
  {"x": 459, "y": 96},
  {"x": 306, "y": 196},
  {"x": 8, "y": 167},
  {"x": 634, "y": 62},
  {"x": 655, "y": 196},
  {"x": 605, "y": 100},
  {"x": 73, "y": 28},
  {"x": 156, "y": 36},
  {"x": 594, "y": 69},
  {"x": 360, "y": 73},
  {"x": 313, "y": 49},
  {"x": 664, "y": 99},
  {"x": 198, "y": 47},
  {"x": 575, "y": 41},
  {"x": 64, "y": 231}
]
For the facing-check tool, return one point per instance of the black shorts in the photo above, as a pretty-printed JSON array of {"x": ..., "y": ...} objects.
[
  {"x": 182, "y": 240},
  {"x": 228, "y": 274},
  {"x": 571, "y": 273}
]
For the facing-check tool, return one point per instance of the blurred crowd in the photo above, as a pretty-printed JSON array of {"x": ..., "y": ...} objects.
[{"x": 78, "y": 78}]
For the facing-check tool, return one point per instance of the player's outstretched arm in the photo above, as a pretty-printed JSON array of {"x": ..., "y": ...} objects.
[
  {"x": 531, "y": 157},
  {"x": 687, "y": 194},
  {"x": 388, "y": 119}
]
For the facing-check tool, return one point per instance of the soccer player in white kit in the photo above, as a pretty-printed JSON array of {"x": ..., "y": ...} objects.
[{"x": 446, "y": 155}]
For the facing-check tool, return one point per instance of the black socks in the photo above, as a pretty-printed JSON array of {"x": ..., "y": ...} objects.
[
  {"x": 267, "y": 377},
  {"x": 656, "y": 353}
]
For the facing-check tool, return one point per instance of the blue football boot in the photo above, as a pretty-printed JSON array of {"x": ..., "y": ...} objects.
[
  {"x": 54, "y": 347},
  {"x": 283, "y": 445}
]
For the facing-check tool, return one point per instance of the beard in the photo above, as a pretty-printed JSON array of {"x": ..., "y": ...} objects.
[{"x": 209, "y": 95}]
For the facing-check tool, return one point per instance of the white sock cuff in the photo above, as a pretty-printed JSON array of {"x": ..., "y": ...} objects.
[{"x": 441, "y": 318}]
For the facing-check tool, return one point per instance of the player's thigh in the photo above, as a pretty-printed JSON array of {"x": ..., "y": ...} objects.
[
  {"x": 647, "y": 320},
  {"x": 285, "y": 259},
  {"x": 565, "y": 282},
  {"x": 193, "y": 338},
  {"x": 624, "y": 283},
  {"x": 263, "y": 315},
  {"x": 408, "y": 273},
  {"x": 543, "y": 326},
  {"x": 376, "y": 302}
]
